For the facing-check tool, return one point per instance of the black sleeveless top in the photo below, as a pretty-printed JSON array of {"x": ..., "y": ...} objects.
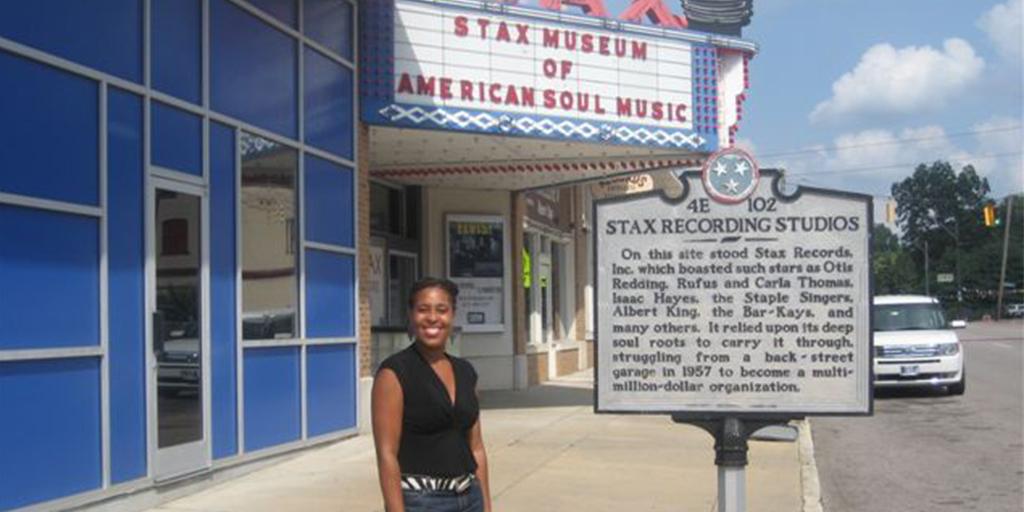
[{"x": 435, "y": 432}]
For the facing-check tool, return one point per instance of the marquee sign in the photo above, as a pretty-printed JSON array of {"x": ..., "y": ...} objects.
[{"x": 484, "y": 67}]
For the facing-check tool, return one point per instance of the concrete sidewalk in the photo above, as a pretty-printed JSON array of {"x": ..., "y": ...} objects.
[{"x": 548, "y": 451}]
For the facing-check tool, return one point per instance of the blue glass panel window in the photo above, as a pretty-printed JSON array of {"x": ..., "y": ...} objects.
[
  {"x": 253, "y": 70},
  {"x": 328, "y": 106},
  {"x": 126, "y": 259},
  {"x": 223, "y": 330},
  {"x": 177, "y": 48},
  {"x": 330, "y": 295},
  {"x": 272, "y": 397},
  {"x": 101, "y": 34},
  {"x": 330, "y": 388},
  {"x": 50, "y": 273},
  {"x": 283, "y": 10},
  {"x": 177, "y": 139},
  {"x": 329, "y": 202},
  {"x": 329, "y": 22},
  {"x": 52, "y": 151},
  {"x": 50, "y": 436}
]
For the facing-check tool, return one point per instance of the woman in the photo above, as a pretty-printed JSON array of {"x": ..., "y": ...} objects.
[{"x": 426, "y": 418}]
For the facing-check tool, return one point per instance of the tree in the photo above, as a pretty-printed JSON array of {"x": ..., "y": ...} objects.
[
  {"x": 939, "y": 206},
  {"x": 893, "y": 268},
  {"x": 942, "y": 209},
  {"x": 883, "y": 239}
]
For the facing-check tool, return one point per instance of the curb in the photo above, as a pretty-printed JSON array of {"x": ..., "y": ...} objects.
[{"x": 809, "y": 482}]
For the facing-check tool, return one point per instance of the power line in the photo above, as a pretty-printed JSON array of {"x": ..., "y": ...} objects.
[
  {"x": 854, "y": 170},
  {"x": 804, "y": 181},
  {"x": 889, "y": 142}
]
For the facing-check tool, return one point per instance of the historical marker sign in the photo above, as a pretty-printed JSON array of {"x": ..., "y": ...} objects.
[{"x": 734, "y": 299}]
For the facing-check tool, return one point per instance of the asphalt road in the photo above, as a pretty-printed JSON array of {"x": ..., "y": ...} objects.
[{"x": 925, "y": 451}]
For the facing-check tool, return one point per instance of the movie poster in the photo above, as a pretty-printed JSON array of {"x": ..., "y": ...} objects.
[{"x": 476, "y": 262}]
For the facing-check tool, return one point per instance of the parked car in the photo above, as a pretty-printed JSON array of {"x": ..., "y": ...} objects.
[
  {"x": 1015, "y": 310},
  {"x": 915, "y": 346},
  {"x": 177, "y": 354},
  {"x": 178, "y": 367}
]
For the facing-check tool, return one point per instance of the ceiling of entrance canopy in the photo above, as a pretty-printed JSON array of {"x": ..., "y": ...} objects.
[{"x": 474, "y": 161}]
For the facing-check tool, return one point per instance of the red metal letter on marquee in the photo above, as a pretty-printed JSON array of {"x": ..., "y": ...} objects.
[
  {"x": 591, "y": 7},
  {"x": 655, "y": 11}
]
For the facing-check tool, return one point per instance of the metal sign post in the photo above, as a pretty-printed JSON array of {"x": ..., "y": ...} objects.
[
  {"x": 733, "y": 307},
  {"x": 731, "y": 435}
]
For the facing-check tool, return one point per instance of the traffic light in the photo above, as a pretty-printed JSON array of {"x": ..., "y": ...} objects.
[{"x": 989, "y": 211}]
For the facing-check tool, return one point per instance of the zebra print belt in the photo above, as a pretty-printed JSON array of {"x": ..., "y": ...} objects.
[{"x": 455, "y": 484}]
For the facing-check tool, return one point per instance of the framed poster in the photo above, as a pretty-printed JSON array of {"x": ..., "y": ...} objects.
[
  {"x": 476, "y": 262},
  {"x": 375, "y": 283}
]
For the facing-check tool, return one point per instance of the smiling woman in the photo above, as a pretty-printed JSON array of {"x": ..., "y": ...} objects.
[{"x": 426, "y": 419}]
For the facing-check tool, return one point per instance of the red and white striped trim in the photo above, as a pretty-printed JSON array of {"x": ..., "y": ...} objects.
[{"x": 539, "y": 167}]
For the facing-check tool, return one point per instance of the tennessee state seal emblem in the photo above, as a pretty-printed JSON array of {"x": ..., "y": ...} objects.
[{"x": 730, "y": 176}]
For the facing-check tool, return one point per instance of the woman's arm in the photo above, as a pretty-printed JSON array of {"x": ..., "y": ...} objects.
[
  {"x": 387, "y": 433},
  {"x": 476, "y": 444}
]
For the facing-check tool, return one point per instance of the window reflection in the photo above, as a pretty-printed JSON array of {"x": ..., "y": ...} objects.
[
  {"x": 386, "y": 209},
  {"x": 177, "y": 324},
  {"x": 269, "y": 239},
  {"x": 401, "y": 276},
  {"x": 175, "y": 237}
]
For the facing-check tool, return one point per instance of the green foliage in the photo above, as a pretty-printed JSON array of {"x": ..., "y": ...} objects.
[
  {"x": 939, "y": 206},
  {"x": 895, "y": 273},
  {"x": 942, "y": 210},
  {"x": 883, "y": 239}
]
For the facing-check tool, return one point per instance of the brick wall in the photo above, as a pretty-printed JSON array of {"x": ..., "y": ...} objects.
[
  {"x": 520, "y": 329},
  {"x": 536, "y": 368},
  {"x": 583, "y": 261},
  {"x": 363, "y": 246},
  {"x": 568, "y": 361}
]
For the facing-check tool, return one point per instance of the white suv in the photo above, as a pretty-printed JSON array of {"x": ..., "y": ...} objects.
[
  {"x": 1015, "y": 310},
  {"x": 914, "y": 346}
]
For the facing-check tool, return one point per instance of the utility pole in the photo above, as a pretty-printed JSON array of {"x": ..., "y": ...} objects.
[
  {"x": 956, "y": 240},
  {"x": 927, "y": 286},
  {"x": 1006, "y": 246},
  {"x": 959, "y": 283}
]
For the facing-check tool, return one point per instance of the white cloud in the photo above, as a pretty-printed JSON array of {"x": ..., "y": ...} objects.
[
  {"x": 1002, "y": 23},
  {"x": 873, "y": 148},
  {"x": 902, "y": 80},
  {"x": 870, "y": 161},
  {"x": 999, "y": 134},
  {"x": 999, "y": 140},
  {"x": 746, "y": 145}
]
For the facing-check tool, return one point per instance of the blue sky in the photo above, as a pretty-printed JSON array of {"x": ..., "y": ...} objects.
[
  {"x": 860, "y": 87},
  {"x": 852, "y": 94}
]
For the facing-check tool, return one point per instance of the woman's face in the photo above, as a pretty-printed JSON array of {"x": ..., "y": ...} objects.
[{"x": 431, "y": 317}]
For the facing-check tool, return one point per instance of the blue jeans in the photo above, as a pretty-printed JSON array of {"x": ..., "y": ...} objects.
[{"x": 444, "y": 501}]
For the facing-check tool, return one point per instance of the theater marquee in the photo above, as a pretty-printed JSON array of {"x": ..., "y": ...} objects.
[{"x": 464, "y": 65}]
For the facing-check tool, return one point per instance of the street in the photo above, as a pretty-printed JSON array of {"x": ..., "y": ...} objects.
[{"x": 925, "y": 451}]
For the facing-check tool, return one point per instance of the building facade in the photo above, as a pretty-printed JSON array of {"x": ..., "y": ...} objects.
[
  {"x": 178, "y": 223},
  {"x": 211, "y": 212}
]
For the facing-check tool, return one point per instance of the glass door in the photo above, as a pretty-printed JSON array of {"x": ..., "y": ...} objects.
[{"x": 178, "y": 339}]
